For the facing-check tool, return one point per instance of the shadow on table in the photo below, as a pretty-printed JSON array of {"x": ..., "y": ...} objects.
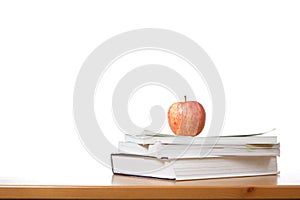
[{"x": 256, "y": 180}]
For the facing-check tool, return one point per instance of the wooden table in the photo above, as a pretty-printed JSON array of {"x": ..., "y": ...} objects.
[{"x": 284, "y": 186}]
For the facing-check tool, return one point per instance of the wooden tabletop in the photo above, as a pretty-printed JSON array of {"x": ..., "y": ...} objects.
[
  {"x": 153, "y": 192},
  {"x": 127, "y": 187}
]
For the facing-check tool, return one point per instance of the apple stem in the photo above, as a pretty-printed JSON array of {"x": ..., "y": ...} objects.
[{"x": 184, "y": 98}]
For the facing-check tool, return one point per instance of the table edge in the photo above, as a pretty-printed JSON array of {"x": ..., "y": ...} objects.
[{"x": 149, "y": 192}]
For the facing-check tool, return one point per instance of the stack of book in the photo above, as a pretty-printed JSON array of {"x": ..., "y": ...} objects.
[{"x": 186, "y": 158}]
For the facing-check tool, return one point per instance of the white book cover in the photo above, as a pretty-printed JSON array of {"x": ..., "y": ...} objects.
[
  {"x": 193, "y": 151},
  {"x": 148, "y": 137},
  {"x": 188, "y": 169}
]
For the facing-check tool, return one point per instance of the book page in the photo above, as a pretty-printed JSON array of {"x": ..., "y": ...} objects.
[{"x": 148, "y": 133}]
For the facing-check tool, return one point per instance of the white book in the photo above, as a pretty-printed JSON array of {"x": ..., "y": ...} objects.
[
  {"x": 193, "y": 168},
  {"x": 193, "y": 151},
  {"x": 148, "y": 137}
]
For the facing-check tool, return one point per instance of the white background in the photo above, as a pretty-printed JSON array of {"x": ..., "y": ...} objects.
[{"x": 255, "y": 46}]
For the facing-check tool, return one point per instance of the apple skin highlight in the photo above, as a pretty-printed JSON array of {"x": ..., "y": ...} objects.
[{"x": 186, "y": 118}]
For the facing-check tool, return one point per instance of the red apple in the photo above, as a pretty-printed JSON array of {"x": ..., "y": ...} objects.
[{"x": 186, "y": 118}]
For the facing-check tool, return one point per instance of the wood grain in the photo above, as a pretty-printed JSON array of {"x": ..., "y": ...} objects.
[{"x": 149, "y": 192}]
